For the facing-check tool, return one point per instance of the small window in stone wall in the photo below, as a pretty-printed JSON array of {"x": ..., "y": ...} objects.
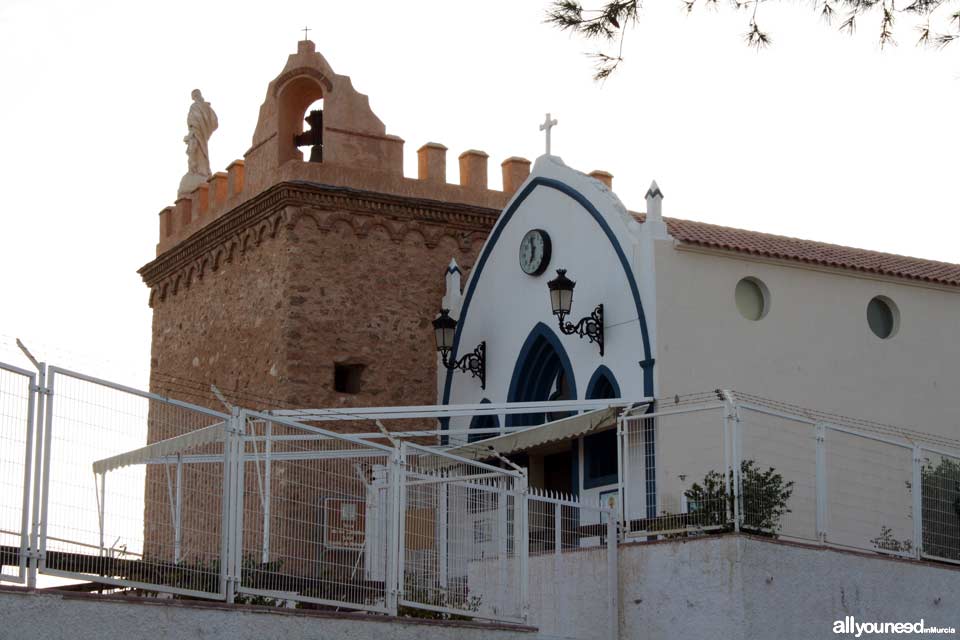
[{"x": 347, "y": 378}]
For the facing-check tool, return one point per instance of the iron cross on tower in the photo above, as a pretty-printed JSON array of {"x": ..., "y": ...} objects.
[
  {"x": 305, "y": 32},
  {"x": 546, "y": 126}
]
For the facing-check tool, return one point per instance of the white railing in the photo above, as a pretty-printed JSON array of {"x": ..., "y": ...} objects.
[
  {"x": 118, "y": 511},
  {"x": 145, "y": 493},
  {"x": 17, "y": 408},
  {"x": 116, "y": 486},
  {"x": 735, "y": 462}
]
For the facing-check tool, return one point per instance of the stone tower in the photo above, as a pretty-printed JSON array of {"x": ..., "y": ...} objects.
[{"x": 312, "y": 284}]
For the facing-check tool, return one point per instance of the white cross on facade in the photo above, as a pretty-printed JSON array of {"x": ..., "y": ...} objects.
[{"x": 546, "y": 126}]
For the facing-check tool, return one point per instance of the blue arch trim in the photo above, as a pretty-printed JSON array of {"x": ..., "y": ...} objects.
[
  {"x": 551, "y": 183},
  {"x": 602, "y": 373},
  {"x": 533, "y": 373}
]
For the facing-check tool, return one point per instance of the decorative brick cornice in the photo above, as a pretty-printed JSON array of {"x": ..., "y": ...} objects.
[{"x": 263, "y": 214}]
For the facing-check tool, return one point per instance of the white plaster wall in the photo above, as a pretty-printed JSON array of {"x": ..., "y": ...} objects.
[
  {"x": 26, "y": 615},
  {"x": 507, "y": 303},
  {"x": 814, "y": 347}
]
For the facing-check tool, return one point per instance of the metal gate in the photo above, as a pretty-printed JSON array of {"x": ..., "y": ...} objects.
[
  {"x": 17, "y": 406},
  {"x": 463, "y": 536},
  {"x": 132, "y": 488}
]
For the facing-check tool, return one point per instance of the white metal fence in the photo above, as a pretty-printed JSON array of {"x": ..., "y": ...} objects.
[
  {"x": 735, "y": 462},
  {"x": 119, "y": 511},
  {"x": 314, "y": 525},
  {"x": 463, "y": 536},
  {"x": 127, "y": 489},
  {"x": 109, "y": 485},
  {"x": 17, "y": 407}
]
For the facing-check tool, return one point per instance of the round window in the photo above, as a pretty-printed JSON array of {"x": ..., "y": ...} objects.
[
  {"x": 752, "y": 298},
  {"x": 883, "y": 317}
]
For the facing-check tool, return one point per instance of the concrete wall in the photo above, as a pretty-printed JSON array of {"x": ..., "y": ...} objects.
[
  {"x": 58, "y": 617},
  {"x": 740, "y": 587},
  {"x": 569, "y": 592},
  {"x": 715, "y": 587}
]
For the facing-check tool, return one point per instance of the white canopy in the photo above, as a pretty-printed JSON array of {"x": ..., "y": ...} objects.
[
  {"x": 168, "y": 447},
  {"x": 556, "y": 431}
]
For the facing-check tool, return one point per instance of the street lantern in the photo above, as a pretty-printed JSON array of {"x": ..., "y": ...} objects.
[
  {"x": 444, "y": 329},
  {"x": 561, "y": 293},
  {"x": 561, "y": 300}
]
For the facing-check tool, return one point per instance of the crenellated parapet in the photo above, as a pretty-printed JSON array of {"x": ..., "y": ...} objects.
[
  {"x": 357, "y": 152},
  {"x": 324, "y": 208}
]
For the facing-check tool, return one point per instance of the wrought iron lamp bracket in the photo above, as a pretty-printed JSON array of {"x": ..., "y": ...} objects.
[
  {"x": 590, "y": 327},
  {"x": 475, "y": 363}
]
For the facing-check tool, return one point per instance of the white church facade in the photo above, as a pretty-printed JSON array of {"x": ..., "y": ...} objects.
[{"x": 690, "y": 307}]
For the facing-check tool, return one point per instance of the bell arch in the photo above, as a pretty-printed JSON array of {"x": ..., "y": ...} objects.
[{"x": 294, "y": 97}]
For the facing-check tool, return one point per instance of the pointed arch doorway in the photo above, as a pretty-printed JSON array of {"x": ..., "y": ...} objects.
[{"x": 542, "y": 372}]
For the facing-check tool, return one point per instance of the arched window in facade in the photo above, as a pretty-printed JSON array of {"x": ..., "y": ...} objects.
[
  {"x": 542, "y": 372},
  {"x": 600, "y": 449}
]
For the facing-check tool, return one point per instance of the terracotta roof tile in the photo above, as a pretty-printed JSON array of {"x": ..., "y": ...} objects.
[{"x": 811, "y": 252}]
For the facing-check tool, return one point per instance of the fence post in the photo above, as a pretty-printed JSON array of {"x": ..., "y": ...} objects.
[
  {"x": 37, "y": 399},
  {"x": 178, "y": 511},
  {"x": 917, "y": 501},
  {"x": 613, "y": 577},
  {"x": 43, "y": 473},
  {"x": 228, "y": 506},
  {"x": 820, "y": 476},
  {"x": 40, "y": 403},
  {"x": 524, "y": 551},
  {"x": 731, "y": 420},
  {"x": 239, "y": 489},
  {"x": 267, "y": 490},
  {"x": 623, "y": 468},
  {"x": 102, "y": 506},
  {"x": 394, "y": 573},
  {"x": 727, "y": 457},
  {"x": 502, "y": 494}
]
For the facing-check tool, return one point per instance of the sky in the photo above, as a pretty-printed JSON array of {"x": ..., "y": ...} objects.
[{"x": 821, "y": 136}]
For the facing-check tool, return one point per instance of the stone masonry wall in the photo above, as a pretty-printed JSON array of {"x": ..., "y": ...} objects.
[
  {"x": 264, "y": 303},
  {"x": 366, "y": 298},
  {"x": 227, "y": 329}
]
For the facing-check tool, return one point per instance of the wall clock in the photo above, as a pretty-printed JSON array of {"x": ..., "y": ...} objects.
[{"x": 535, "y": 252}]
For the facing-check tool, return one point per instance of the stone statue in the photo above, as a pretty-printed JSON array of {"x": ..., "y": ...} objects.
[{"x": 201, "y": 123}]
